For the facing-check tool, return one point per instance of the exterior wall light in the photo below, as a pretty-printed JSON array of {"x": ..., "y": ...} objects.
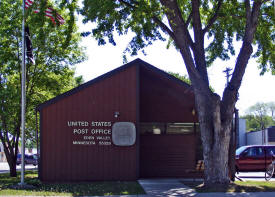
[
  {"x": 117, "y": 114},
  {"x": 193, "y": 112}
]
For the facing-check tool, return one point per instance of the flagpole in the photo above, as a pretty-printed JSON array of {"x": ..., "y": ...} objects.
[{"x": 23, "y": 96}]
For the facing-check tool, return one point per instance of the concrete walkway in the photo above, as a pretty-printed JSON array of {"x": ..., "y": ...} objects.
[
  {"x": 165, "y": 187},
  {"x": 173, "y": 187}
]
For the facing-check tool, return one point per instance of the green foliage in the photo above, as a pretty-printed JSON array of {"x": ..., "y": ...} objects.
[
  {"x": 183, "y": 78},
  {"x": 265, "y": 37},
  {"x": 255, "y": 123},
  {"x": 140, "y": 17},
  {"x": 230, "y": 24},
  {"x": 9, "y": 186},
  {"x": 260, "y": 116},
  {"x": 55, "y": 49},
  {"x": 113, "y": 16}
]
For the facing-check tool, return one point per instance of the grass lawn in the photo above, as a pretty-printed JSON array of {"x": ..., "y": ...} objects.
[
  {"x": 8, "y": 184},
  {"x": 237, "y": 186}
]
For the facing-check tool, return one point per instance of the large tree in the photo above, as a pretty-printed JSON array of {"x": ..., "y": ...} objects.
[
  {"x": 188, "y": 24},
  {"x": 55, "y": 50},
  {"x": 260, "y": 116}
]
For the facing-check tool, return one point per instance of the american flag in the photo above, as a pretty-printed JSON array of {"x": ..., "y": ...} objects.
[
  {"x": 28, "y": 3},
  {"x": 49, "y": 12}
]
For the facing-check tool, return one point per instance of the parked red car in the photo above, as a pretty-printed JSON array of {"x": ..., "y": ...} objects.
[{"x": 254, "y": 157}]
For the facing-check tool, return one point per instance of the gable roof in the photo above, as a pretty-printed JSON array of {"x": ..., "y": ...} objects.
[{"x": 136, "y": 62}]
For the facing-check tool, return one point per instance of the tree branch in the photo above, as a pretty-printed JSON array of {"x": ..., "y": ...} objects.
[
  {"x": 196, "y": 20},
  {"x": 247, "y": 12},
  {"x": 255, "y": 13},
  {"x": 214, "y": 18},
  {"x": 230, "y": 94},
  {"x": 199, "y": 51},
  {"x": 5, "y": 133},
  {"x": 188, "y": 19},
  {"x": 185, "y": 25},
  {"x": 159, "y": 22},
  {"x": 164, "y": 28},
  {"x": 127, "y": 4},
  {"x": 182, "y": 39},
  {"x": 176, "y": 21}
]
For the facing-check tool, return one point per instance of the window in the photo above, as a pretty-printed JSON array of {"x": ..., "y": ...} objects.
[
  {"x": 152, "y": 128},
  {"x": 168, "y": 128},
  {"x": 240, "y": 150},
  {"x": 260, "y": 151},
  {"x": 254, "y": 151},
  {"x": 180, "y": 128},
  {"x": 270, "y": 151}
]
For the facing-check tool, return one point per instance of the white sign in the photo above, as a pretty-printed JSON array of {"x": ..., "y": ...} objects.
[{"x": 91, "y": 133}]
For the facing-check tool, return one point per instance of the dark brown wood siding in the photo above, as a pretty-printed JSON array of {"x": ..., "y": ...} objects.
[
  {"x": 167, "y": 155},
  {"x": 63, "y": 161},
  {"x": 140, "y": 94},
  {"x": 164, "y": 100}
]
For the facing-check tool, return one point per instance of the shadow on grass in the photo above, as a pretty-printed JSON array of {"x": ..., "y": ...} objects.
[{"x": 8, "y": 186}]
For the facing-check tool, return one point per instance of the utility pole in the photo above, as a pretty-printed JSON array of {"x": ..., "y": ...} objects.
[
  {"x": 236, "y": 111},
  {"x": 227, "y": 71},
  {"x": 232, "y": 143}
]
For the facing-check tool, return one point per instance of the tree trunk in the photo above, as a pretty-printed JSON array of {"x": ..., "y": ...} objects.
[
  {"x": 231, "y": 156},
  {"x": 12, "y": 164},
  {"x": 13, "y": 169},
  {"x": 215, "y": 135},
  {"x": 233, "y": 146},
  {"x": 216, "y": 160},
  {"x": 11, "y": 151}
]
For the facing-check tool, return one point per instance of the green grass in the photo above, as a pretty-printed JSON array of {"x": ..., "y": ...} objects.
[
  {"x": 237, "y": 186},
  {"x": 9, "y": 186}
]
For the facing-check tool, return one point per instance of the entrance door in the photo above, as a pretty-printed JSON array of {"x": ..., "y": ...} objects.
[{"x": 167, "y": 155}]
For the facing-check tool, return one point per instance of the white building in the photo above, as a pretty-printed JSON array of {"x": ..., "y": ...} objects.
[
  {"x": 241, "y": 133},
  {"x": 265, "y": 137},
  {"x": 2, "y": 154}
]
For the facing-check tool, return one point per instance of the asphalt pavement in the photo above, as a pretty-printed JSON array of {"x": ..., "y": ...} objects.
[
  {"x": 253, "y": 176},
  {"x": 4, "y": 167}
]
